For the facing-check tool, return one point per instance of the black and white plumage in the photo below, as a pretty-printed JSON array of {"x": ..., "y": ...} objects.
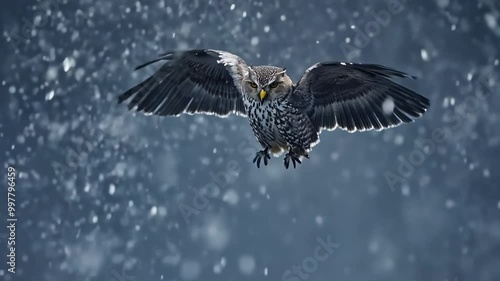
[
  {"x": 283, "y": 116},
  {"x": 191, "y": 82}
]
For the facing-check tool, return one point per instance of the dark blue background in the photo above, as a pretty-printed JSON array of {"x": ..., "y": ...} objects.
[{"x": 74, "y": 147}]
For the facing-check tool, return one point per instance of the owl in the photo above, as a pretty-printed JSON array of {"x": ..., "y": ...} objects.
[{"x": 285, "y": 117}]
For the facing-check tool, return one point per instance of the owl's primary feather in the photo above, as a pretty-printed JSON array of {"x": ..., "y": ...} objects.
[
  {"x": 195, "y": 81},
  {"x": 351, "y": 97},
  {"x": 283, "y": 116}
]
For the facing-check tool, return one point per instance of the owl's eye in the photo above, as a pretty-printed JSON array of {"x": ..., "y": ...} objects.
[
  {"x": 273, "y": 85},
  {"x": 253, "y": 85}
]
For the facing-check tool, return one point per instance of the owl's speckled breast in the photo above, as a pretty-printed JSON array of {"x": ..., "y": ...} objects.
[{"x": 262, "y": 117}]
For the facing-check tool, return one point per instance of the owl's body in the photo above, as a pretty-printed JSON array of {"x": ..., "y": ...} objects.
[
  {"x": 279, "y": 126},
  {"x": 283, "y": 116},
  {"x": 263, "y": 120}
]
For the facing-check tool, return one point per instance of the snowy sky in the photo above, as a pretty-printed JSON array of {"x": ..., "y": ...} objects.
[{"x": 105, "y": 194}]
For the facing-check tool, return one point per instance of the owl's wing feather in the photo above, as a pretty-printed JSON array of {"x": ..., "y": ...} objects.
[
  {"x": 195, "y": 81},
  {"x": 356, "y": 97}
]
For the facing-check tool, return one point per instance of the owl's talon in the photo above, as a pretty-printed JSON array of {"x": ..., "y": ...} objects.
[
  {"x": 266, "y": 159},
  {"x": 263, "y": 154},
  {"x": 295, "y": 159}
]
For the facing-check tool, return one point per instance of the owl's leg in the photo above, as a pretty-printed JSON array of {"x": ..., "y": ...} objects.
[
  {"x": 291, "y": 155},
  {"x": 294, "y": 154},
  {"x": 262, "y": 154}
]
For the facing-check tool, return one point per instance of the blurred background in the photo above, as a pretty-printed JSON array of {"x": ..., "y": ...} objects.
[{"x": 104, "y": 194}]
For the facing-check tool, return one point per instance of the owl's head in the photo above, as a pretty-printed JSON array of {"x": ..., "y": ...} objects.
[{"x": 266, "y": 83}]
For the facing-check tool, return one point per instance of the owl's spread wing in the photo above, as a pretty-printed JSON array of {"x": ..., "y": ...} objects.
[
  {"x": 195, "y": 81},
  {"x": 356, "y": 97}
]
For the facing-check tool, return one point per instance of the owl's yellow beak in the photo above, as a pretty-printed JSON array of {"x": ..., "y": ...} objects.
[{"x": 262, "y": 95}]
